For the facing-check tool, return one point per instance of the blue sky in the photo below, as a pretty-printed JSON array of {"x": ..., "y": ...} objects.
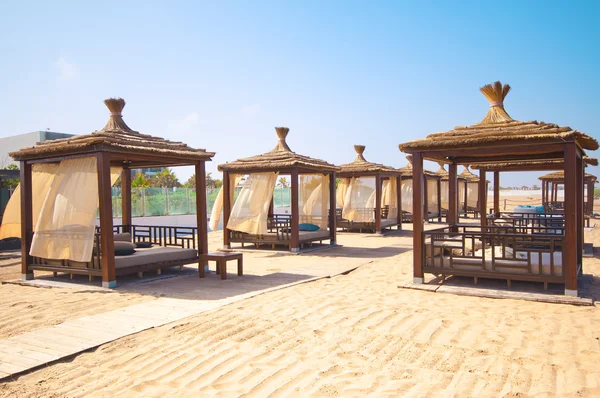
[{"x": 221, "y": 75}]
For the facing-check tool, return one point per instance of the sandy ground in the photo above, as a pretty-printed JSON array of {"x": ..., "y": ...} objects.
[{"x": 352, "y": 335}]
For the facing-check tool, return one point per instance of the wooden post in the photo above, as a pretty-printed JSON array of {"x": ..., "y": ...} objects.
[
  {"x": 569, "y": 259},
  {"x": 26, "y": 219},
  {"x": 544, "y": 194},
  {"x": 201, "y": 219},
  {"x": 418, "y": 238},
  {"x": 580, "y": 215},
  {"x": 227, "y": 189},
  {"x": 425, "y": 197},
  {"x": 481, "y": 196},
  {"x": 466, "y": 196},
  {"x": 497, "y": 192},
  {"x": 126, "y": 199},
  {"x": 107, "y": 242},
  {"x": 378, "y": 204},
  {"x": 439, "y": 199},
  {"x": 295, "y": 238},
  {"x": 332, "y": 212},
  {"x": 452, "y": 216},
  {"x": 399, "y": 200},
  {"x": 589, "y": 210}
]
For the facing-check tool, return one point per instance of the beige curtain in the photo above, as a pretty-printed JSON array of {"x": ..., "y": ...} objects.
[
  {"x": 251, "y": 209},
  {"x": 461, "y": 195},
  {"x": 472, "y": 194},
  {"x": 389, "y": 197},
  {"x": 445, "y": 186},
  {"x": 407, "y": 196},
  {"x": 359, "y": 203},
  {"x": 66, "y": 224},
  {"x": 340, "y": 193},
  {"x": 314, "y": 200},
  {"x": 217, "y": 210},
  {"x": 432, "y": 193},
  {"x": 42, "y": 176}
]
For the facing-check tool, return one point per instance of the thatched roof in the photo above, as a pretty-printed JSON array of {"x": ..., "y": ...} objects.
[
  {"x": 407, "y": 171},
  {"x": 531, "y": 165},
  {"x": 444, "y": 174},
  {"x": 279, "y": 158},
  {"x": 361, "y": 165},
  {"x": 498, "y": 128},
  {"x": 468, "y": 175},
  {"x": 560, "y": 176},
  {"x": 115, "y": 135}
]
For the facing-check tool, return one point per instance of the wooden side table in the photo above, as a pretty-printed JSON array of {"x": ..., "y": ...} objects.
[{"x": 221, "y": 259}]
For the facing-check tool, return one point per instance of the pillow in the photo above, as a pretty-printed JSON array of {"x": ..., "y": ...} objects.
[
  {"x": 143, "y": 245},
  {"x": 124, "y": 237},
  {"x": 308, "y": 227},
  {"x": 124, "y": 248}
]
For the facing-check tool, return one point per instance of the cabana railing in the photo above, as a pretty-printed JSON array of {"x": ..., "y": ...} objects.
[
  {"x": 533, "y": 253},
  {"x": 167, "y": 236},
  {"x": 530, "y": 222}
]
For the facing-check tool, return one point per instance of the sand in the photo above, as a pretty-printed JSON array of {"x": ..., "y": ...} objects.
[{"x": 351, "y": 335}]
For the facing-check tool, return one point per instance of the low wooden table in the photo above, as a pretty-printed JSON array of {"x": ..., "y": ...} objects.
[{"x": 221, "y": 259}]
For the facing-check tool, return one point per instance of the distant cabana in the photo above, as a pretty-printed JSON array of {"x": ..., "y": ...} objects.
[
  {"x": 64, "y": 182},
  {"x": 250, "y": 217},
  {"x": 432, "y": 206},
  {"x": 444, "y": 189},
  {"x": 368, "y": 197},
  {"x": 471, "y": 192},
  {"x": 543, "y": 248},
  {"x": 550, "y": 187}
]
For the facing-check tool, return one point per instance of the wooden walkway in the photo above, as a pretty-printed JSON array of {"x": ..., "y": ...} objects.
[{"x": 37, "y": 348}]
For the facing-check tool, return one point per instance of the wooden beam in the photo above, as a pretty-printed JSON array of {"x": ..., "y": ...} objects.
[
  {"x": 439, "y": 199},
  {"x": 569, "y": 260},
  {"x": 332, "y": 209},
  {"x": 126, "y": 199},
  {"x": 201, "y": 219},
  {"x": 107, "y": 242},
  {"x": 481, "y": 198},
  {"x": 227, "y": 194},
  {"x": 425, "y": 198},
  {"x": 496, "y": 192},
  {"x": 378, "y": 204},
  {"x": 418, "y": 242},
  {"x": 295, "y": 238},
  {"x": 452, "y": 216},
  {"x": 580, "y": 215},
  {"x": 545, "y": 150},
  {"x": 544, "y": 194},
  {"x": 26, "y": 219}
]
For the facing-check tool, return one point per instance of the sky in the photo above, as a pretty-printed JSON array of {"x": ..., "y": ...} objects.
[{"x": 221, "y": 75}]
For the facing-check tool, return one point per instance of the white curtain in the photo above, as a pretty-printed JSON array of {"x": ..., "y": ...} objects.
[
  {"x": 251, "y": 209},
  {"x": 42, "y": 175},
  {"x": 66, "y": 224},
  {"x": 389, "y": 197},
  {"x": 359, "y": 203},
  {"x": 340, "y": 193},
  {"x": 314, "y": 200},
  {"x": 445, "y": 187},
  {"x": 217, "y": 210},
  {"x": 432, "y": 196},
  {"x": 461, "y": 195},
  {"x": 407, "y": 195},
  {"x": 472, "y": 194}
]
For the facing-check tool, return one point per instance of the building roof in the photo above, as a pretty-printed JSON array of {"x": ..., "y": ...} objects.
[
  {"x": 361, "y": 165},
  {"x": 115, "y": 136},
  {"x": 498, "y": 128},
  {"x": 279, "y": 158},
  {"x": 560, "y": 176}
]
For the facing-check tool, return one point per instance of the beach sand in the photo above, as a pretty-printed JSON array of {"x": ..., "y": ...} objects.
[{"x": 351, "y": 335}]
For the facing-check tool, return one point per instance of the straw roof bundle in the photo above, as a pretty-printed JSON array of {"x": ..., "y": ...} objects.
[
  {"x": 115, "y": 134},
  {"x": 498, "y": 128},
  {"x": 361, "y": 165},
  {"x": 530, "y": 165},
  {"x": 407, "y": 170},
  {"x": 280, "y": 157},
  {"x": 468, "y": 175},
  {"x": 560, "y": 176}
]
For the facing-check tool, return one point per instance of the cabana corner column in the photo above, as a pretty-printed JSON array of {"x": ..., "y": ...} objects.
[
  {"x": 452, "y": 195},
  {"x": 126, "y": 199},
  {"x": 418, "y": 216},
  {"x": 295, "y": 239},
  {"x": 332, "y": 212},
  {"x": 107, "y": 243},
  {"x": 26, "y": 219},
  {"x": 201, "y": 217}
]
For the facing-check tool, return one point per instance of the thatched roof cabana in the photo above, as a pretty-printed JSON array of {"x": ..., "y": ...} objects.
[
  {"x": 550, "y": 188},
  {"x": 433, "y": 192},
  {"x": 279, "y": 229},
  {"x": 114, "y": 148},
  {"x": 498, "y": 138},
  {"x": 370, "y": 205}
]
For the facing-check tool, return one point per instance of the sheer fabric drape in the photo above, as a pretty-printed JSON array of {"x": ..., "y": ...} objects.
[
  {"x": 432, "y": 196},
  {"x": 472, "y": 194},
  {"x": 445, "y": 194},
  {"x": 314, "y": 200},
  {"x": 250, "y": 211},
  {"x": 461, "y": 194},
  {"x": 66, "y": 224},
  {"x": 359, "y": 203},
  {"x": 389, "y": 197},
  {"x": 217, "y": 210},
  {"x": 407, "y": 196},
  {"x": 341, "y": 190},
  {"x": 42, "y": 175}
]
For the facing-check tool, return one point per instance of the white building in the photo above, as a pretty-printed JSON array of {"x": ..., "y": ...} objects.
[{"x": 16, "y": 142}]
